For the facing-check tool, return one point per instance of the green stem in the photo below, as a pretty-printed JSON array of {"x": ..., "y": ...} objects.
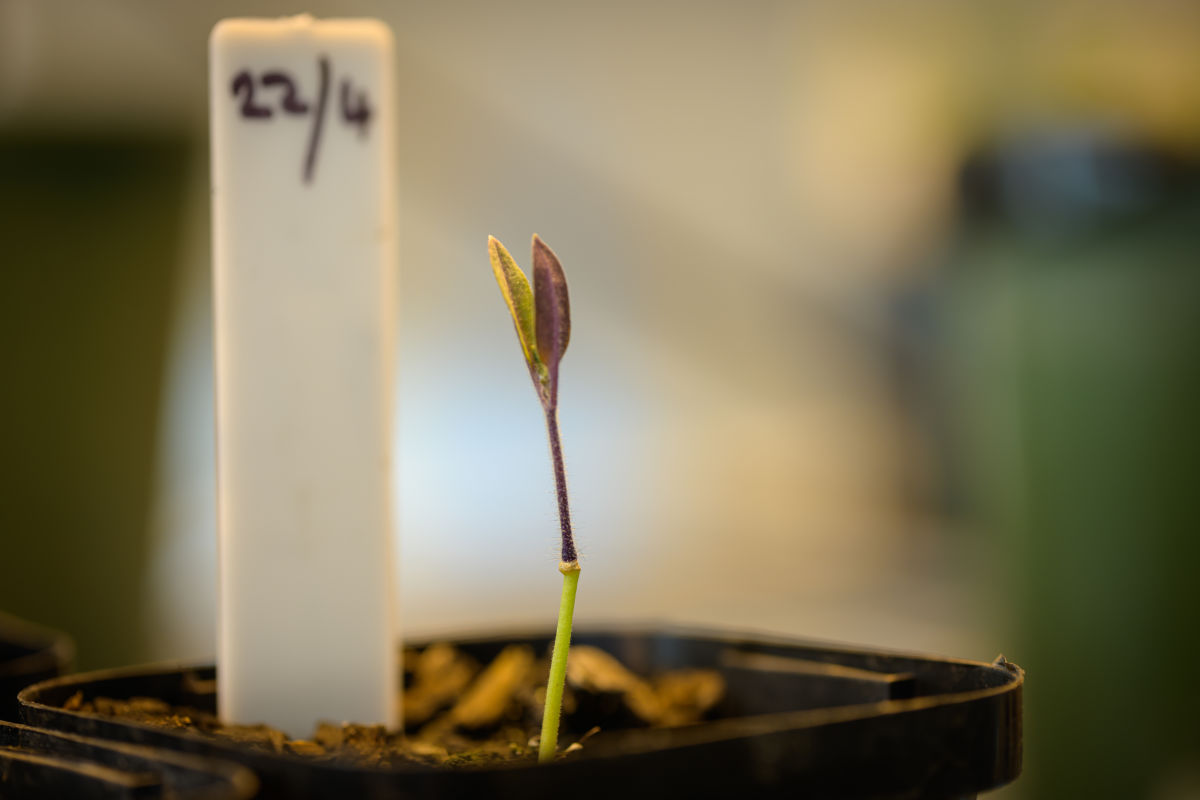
[{"x": 558, "y": 663}]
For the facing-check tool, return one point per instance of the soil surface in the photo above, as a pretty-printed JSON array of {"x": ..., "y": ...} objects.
[{"x": 461, "y": 714}]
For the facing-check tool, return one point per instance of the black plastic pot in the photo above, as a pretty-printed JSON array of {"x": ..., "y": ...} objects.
[
  {"x": 40, "y": 763},
  {"x": 797, "y": 719},
  {"x": 28, "y": 654}
]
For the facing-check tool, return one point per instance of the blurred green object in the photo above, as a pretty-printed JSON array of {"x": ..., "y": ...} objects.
[
  {"x": 1074, "y": 355},
  {"x": 89, "y": 235}
]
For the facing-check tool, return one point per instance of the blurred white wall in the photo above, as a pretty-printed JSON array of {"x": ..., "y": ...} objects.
[
  {"x": 732, "y": 189},
  {"x": 734, "y": 455}
]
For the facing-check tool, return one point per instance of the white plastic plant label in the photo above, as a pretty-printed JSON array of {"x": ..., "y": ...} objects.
[{"x": 303, "y": 205}]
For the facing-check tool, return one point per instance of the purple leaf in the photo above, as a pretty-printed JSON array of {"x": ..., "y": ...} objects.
[{"x": 552, "y": 316}]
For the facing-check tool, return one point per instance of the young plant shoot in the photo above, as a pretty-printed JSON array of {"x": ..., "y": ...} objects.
[{"x": 542, "y": 317}]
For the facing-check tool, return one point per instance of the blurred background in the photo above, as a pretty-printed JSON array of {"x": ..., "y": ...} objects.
[{"x": 886, "y": 331}]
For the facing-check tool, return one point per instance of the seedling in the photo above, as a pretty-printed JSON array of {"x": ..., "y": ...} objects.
[{"x": 542, "y": 317}]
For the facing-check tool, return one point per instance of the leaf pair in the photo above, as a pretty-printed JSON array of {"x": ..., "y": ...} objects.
[{"x": 541, "y": 315}]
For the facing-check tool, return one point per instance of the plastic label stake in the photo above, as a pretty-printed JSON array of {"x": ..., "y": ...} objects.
[{"x": 303, "y": 202}]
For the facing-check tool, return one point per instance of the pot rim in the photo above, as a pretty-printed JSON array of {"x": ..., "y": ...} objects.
[
  {"x": 241, "y": 779},
  {"x": 1009, "y": 677}
]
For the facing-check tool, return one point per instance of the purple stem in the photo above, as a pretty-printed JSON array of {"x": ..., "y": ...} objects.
[{"x": 560, "y": 486}]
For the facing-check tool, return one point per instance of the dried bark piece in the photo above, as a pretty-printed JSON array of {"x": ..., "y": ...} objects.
[
  {"x": 440, "y": 673},
  {"x": 592, "y": 669},
  {"x": 487, "y": 699},
  {"x": 687, "y": 694},
  {"x": 304, "y": 747},
  {"x": 680, "y": 697}
]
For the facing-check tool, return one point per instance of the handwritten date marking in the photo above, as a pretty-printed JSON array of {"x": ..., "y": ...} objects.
[{"x": 353, "y": 104}]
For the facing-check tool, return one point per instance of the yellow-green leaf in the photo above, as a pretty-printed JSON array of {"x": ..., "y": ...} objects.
[{"x": 519, "y": 297}]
